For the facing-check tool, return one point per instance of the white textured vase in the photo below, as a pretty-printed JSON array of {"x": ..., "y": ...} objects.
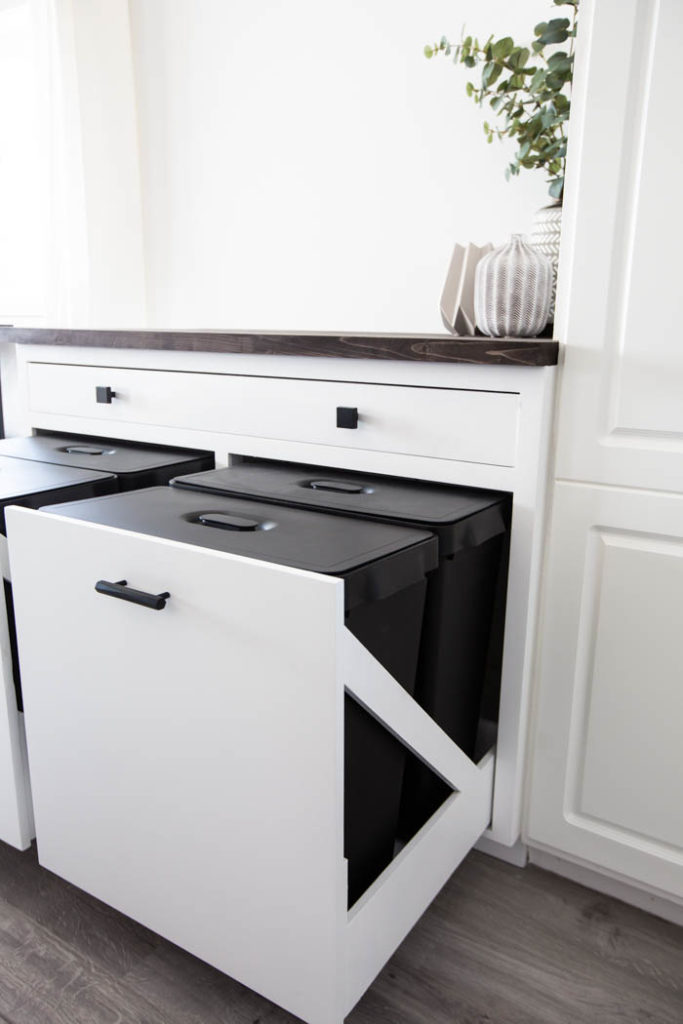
[
  {"x": 512, "y": 291},
  {"x": 545, "y": 236}
]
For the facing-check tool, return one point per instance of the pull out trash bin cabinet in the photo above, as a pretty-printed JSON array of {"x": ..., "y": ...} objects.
[
  {"x": 188, "y": 753},
  {"x": 464, "y": 617},
  {"x": 53, "y": 468},
  {"x": 31, "y": 484}
]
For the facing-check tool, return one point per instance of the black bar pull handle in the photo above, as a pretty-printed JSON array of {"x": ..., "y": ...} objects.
[
  {"x": 347, "y": 417},
  {"x": 104, "y": 395},
  {"x": 126, "y": 593}
]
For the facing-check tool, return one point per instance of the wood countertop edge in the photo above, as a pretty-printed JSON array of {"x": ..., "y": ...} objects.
[{"x": 431, "y": 348}]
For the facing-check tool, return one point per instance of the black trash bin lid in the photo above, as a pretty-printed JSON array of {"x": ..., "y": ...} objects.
[
  {"x": 99, "y": 455},
  {"x": 33, "y": 483},
  {"x": 374, "y": 559},
  {"x": 461, "y": 516}
]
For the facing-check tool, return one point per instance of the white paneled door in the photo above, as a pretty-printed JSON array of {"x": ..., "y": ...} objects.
[{"x": 609, "y": 776}]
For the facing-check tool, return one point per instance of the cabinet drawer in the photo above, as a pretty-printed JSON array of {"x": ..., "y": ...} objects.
[
  {"x": 166, "y": 752},
  {"x": 446, "y": 423}
]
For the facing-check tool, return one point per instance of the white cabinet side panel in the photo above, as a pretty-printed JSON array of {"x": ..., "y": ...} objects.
[{"x": 16, "y": 815}]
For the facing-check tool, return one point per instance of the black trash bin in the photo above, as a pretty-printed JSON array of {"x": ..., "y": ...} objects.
[
  {"x": 134, "y": 465},
  {"x": 460, "y": 655},
  {"x": 384, "y": 568},
  {"x": 31, "y": 484}
]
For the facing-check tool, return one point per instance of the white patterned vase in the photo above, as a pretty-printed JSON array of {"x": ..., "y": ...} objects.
[
  {"x": 545, "y": 236},
  {"x": 512, "y": 291}
]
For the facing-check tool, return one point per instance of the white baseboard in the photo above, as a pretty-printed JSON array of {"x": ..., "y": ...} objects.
[
  {"x": 668, "y": 908},
  {"x": 517, "y": 854}
]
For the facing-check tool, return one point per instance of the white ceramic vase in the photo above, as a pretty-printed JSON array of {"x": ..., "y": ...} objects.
[
  {"x": 545, "y": 237},
  {"x": 512, "y": 291}
]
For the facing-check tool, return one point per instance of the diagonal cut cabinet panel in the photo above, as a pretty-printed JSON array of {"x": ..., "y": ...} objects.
[{"x": 187, "y": 763}]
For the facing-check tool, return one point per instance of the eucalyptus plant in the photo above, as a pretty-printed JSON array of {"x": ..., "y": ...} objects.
[{"x": 527, "y": 87}]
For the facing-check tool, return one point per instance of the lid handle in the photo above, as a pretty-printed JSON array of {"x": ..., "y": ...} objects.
[
  {"x": 341, "y": 486},
  {"x": 225, "y": 522},
  {"x": 83, "y": 449}
]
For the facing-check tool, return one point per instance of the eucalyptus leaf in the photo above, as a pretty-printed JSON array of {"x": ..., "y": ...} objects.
[
  {"x": 554, "y": 35},
  {"x": 493, "y": 74},
  {"x": 559, "y": 23},
  {"x": 521, "y": 57},
  {"x": 503, "y": 48}
]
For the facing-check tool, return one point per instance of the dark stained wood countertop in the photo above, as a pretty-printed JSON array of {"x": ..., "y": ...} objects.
[{"x": 425, "y": 348}]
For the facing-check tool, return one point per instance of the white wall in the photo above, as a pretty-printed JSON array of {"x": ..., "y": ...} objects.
[
  {"x": 24, "y": 185},
  {"x": 305, "y": 168},
  {"x": 97, "y": 34}
]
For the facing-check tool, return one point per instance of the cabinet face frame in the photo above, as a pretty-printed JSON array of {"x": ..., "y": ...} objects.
[{"x": 187, "y": 763}]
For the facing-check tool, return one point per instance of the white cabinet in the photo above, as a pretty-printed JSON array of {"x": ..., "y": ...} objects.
[
  {"x": 475, "y": 425},
  {"x": 173, "y": 774},
  {"x": 607, "y": 764}
]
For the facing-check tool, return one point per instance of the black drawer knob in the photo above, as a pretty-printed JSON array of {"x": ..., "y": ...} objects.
[
  {"x": 347, "y": 418},
  {"x": 104, "y": 395}
]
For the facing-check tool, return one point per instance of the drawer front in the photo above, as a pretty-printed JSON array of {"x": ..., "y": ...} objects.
[
  {"x": 445, "y": 423},
  {"x": 167, "y": 769}
]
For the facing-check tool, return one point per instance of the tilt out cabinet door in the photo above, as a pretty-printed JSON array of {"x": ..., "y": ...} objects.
[{"x": 186, "y": 753}]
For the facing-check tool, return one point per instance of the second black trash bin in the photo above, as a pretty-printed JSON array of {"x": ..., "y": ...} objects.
[
  {"x": 134, "y": 465},
  {"x": 384, "y": 569},
  {"x": 464, "y": 616}
]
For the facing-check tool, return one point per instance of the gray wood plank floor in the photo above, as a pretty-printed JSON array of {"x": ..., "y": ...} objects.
[{"x": 500, "y": 945}]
